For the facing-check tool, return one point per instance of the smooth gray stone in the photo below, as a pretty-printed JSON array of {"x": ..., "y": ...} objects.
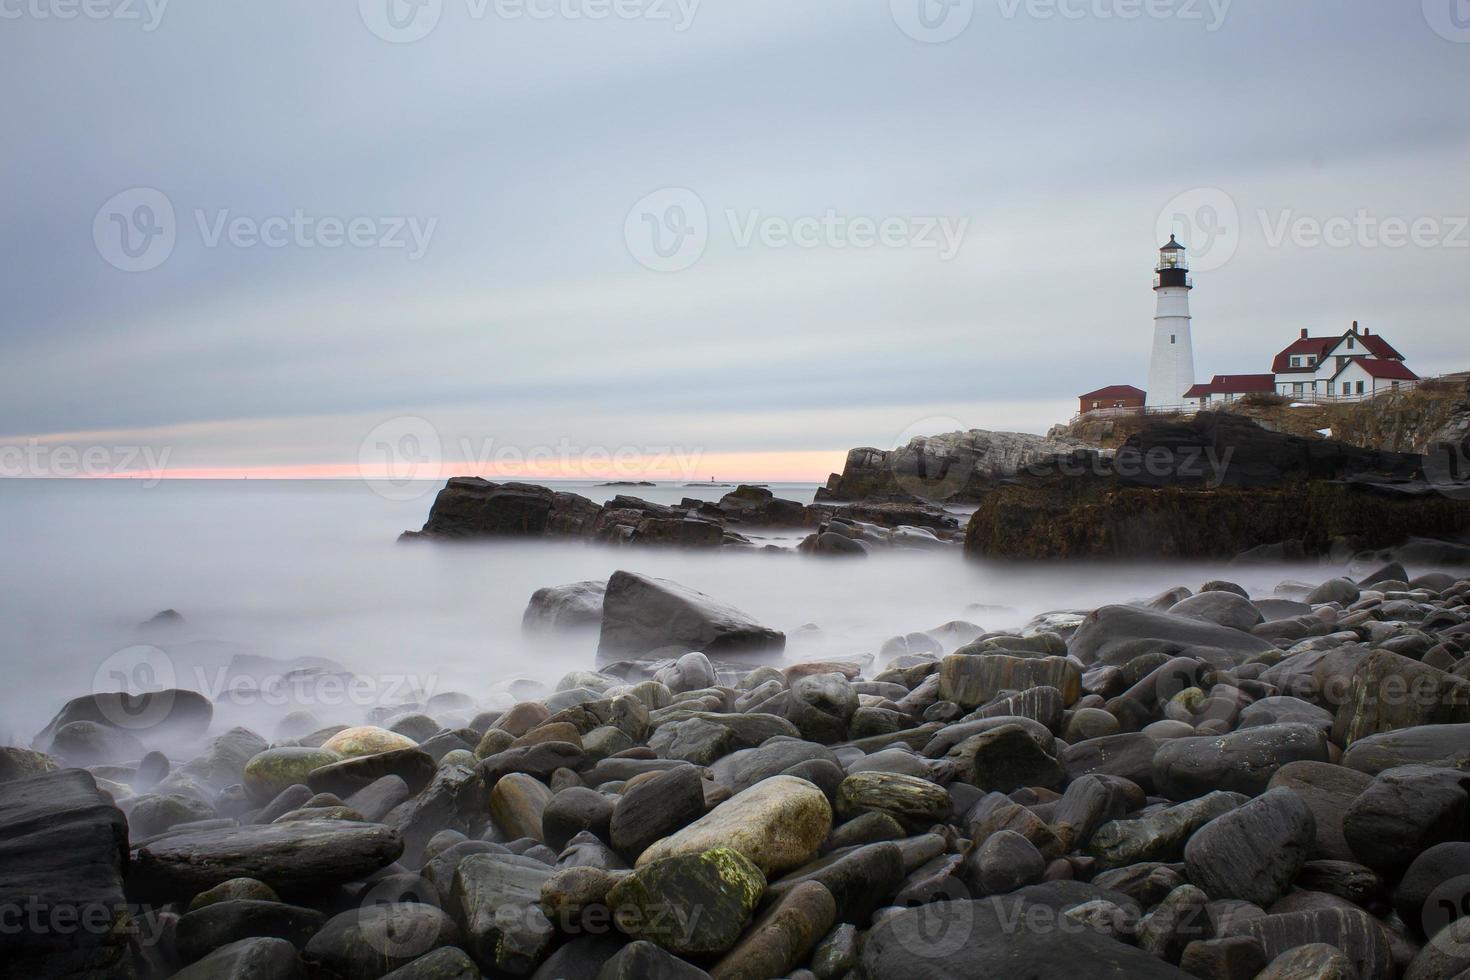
[
  {"x": 1254, "y": 852},
  {"x": 1243, "y": 761}
]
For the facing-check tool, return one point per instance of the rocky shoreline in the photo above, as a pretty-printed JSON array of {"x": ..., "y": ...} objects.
[{"x": 1203, "y": 784}]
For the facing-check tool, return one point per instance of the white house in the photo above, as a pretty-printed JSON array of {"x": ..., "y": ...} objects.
[
  {"x": 1223, "y": 389},
  {"x": 1319, "y": 366}
]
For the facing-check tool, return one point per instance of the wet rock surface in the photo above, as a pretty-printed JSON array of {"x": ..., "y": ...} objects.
[{"x": 1175, "y": 787}]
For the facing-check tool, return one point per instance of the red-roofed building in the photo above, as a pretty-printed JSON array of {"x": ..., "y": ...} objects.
[
  {"x": 1113, "y": 396},
  {"x": 1225, "y": 388},
  {"x": 1319, "y": 366}
]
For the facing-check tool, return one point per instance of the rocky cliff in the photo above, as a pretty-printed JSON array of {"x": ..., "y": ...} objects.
[
  {"x": 955, "y": 467},
  {"x": 1212, "y": 486}
]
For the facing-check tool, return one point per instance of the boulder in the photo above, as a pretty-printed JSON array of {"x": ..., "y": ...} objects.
[
  {"x": 1004, "y": 759},
  {"x": 972, "y": 680},
  {"x": 690, "y": 903},
  {"x": 273, "y": 770},
  {"x": 260, "y": 958},
  {"x": 300, "y": 854},
  {"x": 156, "y": 716},
  {"x": 1352, "y": 931},
  {"x": 1404, "y": 812},
  {"x": 1158, "y": 836},
  {"x": 655, "y": 808},
  {"x": 912, "y": 800},
  {"x": 220, "y": 923},
  {"x": 778, "y": 824},
  {"x": 470, "y": 507},
  {"x": 859, "y": 879},
  {"x": 368, "y": 942},
  {"x": 1439, "y": 746},
  {"x": 1243, "y": 761},
  {"x": 63, "y": 849},
  {"x": 362, "y": 740},
  {"x": 1254, "y": 852},
  {"x": 497, "y": 897},
  {"x": 644, "y": 616},
  {"x": 783, "y": 938},
  {"x": 1221, "y": 608},
  {"x": 559, "y": 608},
  {"x": 1116, "y": 634}
]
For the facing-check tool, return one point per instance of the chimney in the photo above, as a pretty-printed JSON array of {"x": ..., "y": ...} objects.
[
  {"x": 1355, "y": 326},
  {"x": 1367, "y": 331},
  {"x": 1304, "y": 333}
]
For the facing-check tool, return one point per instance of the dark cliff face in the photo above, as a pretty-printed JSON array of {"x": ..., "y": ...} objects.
[{"x": 1211, "y": 487}]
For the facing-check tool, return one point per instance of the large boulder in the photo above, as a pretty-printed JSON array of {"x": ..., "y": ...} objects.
[
  {"x": 470, "y": 507},
  {"x": 152, "y": 716},
  {"x": 1254, "y": 852},
  {"x": 298, "y": 854},
  {"x": 1243, "y": 761},
  {"x": 63, "y": 848},
  {"x": 645, "y": 616},
  {"x": 693, "y": 903},
  {"x": 972, "y": 680},
  {"x": 778, "y": 823},
  {"x": 367, "y": 943},
  {"x": 1117, "y": 634},
  {"x": 1439, "y": 746}
]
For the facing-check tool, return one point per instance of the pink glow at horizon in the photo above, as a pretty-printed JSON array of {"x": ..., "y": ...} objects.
[{"x": 811, "y": 466}]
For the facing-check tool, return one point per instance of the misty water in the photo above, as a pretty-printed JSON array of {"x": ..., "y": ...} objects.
[{"x": 308, "y": 569}]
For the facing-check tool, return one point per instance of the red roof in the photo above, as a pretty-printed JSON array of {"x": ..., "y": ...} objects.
[
  {"x": 1375, "y": 345},
  {"x": 1320, "y": 347},
  {"x": 1234, "y": 384},
  {"x": 1116, "y": 391},
  {"x": 1315, "y": 346},
  {"x": 1376, "y": 368}
]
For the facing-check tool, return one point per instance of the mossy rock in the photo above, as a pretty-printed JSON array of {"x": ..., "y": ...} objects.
[
  {"x": 693, "y": 904},
  {"x": 273, "y": 770},
  {"x": 350, "y": 743}
]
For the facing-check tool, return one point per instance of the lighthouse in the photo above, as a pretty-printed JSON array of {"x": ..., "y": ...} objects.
[{"x": 1171, "y": 372}]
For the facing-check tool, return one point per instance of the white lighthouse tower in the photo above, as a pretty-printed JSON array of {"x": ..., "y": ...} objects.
[{"x": 1171, "y": 373}]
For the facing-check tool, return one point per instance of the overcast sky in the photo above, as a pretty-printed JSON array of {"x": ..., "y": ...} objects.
[{"x": 277, "y": 236}]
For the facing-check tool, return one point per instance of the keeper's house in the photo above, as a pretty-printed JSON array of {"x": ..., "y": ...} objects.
[{"x": 1349, "y": 365}]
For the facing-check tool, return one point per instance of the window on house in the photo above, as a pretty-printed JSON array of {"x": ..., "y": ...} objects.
[
  {"x": 1298, "y": 388},
  {"x": 1394, "y": 385},
  {"x": 1360, "y": 387},
  {"x": 1330, "y": 386},
  {"x": 1350, "y": 343},
  {"x": 1173, "y": 338}
]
